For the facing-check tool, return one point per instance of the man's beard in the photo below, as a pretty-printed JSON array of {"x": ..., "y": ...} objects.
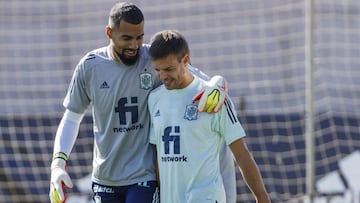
[{"x": 126, "y": 60}]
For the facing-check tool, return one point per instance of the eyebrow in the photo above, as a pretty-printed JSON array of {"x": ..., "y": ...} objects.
[{"x": 129, "y": 36}]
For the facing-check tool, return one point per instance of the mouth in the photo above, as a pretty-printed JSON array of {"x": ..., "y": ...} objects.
[
  {"x": 167, "y": 83},
  {"x": 130, "y": 52},
  {"x": 128, "y": 57}
]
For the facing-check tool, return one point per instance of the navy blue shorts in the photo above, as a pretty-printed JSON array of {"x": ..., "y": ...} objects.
[{"x": 144, "y": 192}]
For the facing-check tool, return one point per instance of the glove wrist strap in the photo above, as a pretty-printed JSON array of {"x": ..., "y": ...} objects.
[{"x": 60, "y": 155}]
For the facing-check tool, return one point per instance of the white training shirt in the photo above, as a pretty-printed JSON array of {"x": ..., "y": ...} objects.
[{"x": 188, "y": 144}]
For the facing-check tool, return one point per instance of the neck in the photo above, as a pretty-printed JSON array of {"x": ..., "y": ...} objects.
[
  {"x": 187, "y": 79},
  {"x": 113, "y": 54}
]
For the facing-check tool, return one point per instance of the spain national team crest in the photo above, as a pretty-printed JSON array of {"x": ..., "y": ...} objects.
[
  {"x": 191, "y": 112},
  {"x": 145, "y": 81}
]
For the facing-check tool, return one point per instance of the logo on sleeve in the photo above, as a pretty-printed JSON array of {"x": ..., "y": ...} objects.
[{"x": 157, "y": 114}]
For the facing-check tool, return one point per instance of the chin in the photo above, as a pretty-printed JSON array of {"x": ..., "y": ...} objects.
[
  {"x": 129, "y": 60},
  {"x": 169, "y": 87}
]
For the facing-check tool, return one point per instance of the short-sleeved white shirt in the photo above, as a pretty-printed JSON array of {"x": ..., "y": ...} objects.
[{"x": 188, "y": 144}]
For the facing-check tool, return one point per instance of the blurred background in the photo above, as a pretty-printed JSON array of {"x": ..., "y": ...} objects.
[{"x": 258, "y": 45}]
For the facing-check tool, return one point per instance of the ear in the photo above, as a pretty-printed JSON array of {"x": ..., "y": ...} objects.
[
  {"x": 108, "y": 32},
  {"x": 186, "y": 59}
]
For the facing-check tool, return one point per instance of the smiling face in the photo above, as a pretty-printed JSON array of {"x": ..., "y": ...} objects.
[
  {"x": 170, "y": 55},
  {"x": 173, "y": 71},
  {"x": 126, "y": 40}
]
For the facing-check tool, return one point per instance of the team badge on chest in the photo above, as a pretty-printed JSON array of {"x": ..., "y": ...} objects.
[
  {"x": 145, "y": 81},
  {"x": 191, "y": 112}
]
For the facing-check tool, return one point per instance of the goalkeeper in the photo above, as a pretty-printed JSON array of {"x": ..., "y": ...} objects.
[
  {"x": 115, "y": 81},
  {"x": 188, "y": 143}
]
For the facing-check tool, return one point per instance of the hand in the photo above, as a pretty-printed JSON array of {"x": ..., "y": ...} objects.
[
  {"x": 59, "y": 179},
  {"x": 215, "y": 94},
  {"x": 264, "y": 199}
]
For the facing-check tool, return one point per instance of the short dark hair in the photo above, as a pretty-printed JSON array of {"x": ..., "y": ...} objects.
[
  {"x": 127, "y": 12},
  {"x": 168, "y": 42}
]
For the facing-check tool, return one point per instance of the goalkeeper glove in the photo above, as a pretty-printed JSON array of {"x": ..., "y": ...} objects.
[
  {"x": 59, "y": 179},
  {"x": 213, "y": 96}
]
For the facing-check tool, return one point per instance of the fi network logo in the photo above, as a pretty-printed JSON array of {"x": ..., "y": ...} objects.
[
  {"x": 124, "y": 109},
  {"x": 173, "y": 139}
]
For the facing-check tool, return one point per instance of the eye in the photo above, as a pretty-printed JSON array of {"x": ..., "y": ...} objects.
[{"x": 169, "y": 69}]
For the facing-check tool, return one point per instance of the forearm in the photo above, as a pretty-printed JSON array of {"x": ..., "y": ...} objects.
[
  {"x": 156, "y": 166},
  {"x": 253, "y": 179},
  {"x": 64, "y": 140},
  {"x": 67, "y": 132},
  {"x": 249, "y": 171}
]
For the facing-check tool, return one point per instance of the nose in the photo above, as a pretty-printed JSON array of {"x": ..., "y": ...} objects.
[
  {"x": 133, "y": 44},
  {"x": 162, "y": 75}
]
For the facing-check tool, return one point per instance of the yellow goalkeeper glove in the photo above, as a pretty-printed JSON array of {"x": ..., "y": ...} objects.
[
  {"x": 59, "y": 179},
  {"x": 213, "y": 96}
]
